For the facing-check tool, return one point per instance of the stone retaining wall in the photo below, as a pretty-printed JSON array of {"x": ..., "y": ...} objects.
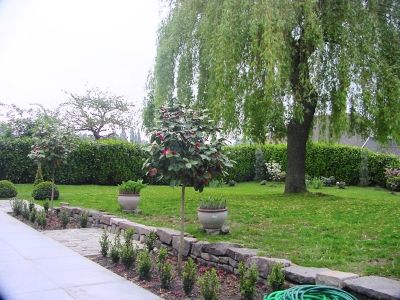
[{"x": 227, "y": 256}]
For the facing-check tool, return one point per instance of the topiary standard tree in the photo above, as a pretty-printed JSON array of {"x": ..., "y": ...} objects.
[
  {"x": 268, "y": 67},
  {"x": 185, "y": 150},
  {"x": 52, "y": 142}
]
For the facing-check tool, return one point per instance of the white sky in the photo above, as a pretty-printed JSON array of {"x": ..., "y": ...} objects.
[{"x": 47, "y": 46}]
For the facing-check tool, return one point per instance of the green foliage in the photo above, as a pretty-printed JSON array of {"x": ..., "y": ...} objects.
[
  {"x": 131, "y": 187},
  {"x": 184, "y": 148},
  {"x": 393, "y": 184},
  {"x": 42, "y": 191},
  {"x": 245, "y": 63},
  {"x": 216, "y": 183},
  {"x": 259, "y": 165},
  {"x": 364, "y": 172},
  {"x": 31, "y": 205},
  {"x": 189, "y": 276},
  {"x": 128, "y": 255},
  {"x": 164, "y": 268},
  {"x": 151, "y": 239},
  {"x": 115, "y": 251},
  {"x": 39, "y": 175},
  {"x": 104, "y": 244},
  {"x": 46, "y": 206},
  {"x": 14, "y": 162},
  {"x": 64, "y": 218},
  {"x": 276, "y": 278},
  {"x": 128, "y": 236},
  {"x": 17, "y": 206},
  {"x": 212, "y": 203},
  {"x": 41, "y": 219},
  {"x": 162, "y": 257},
  {"x": 25, "y": 211},
  {"x": 209, "y": 285},
  {"x": 247, "y": 281},
  {"x": 83, "y": 219},
  {"x": 115, "y": 161},
  {"x": 7, "y": 189},
  {"x": 316, "y": 183},
  {"x": 144, "y": 264},
  {"x": 32, "y": 215},
  {"x": 166, "y": 275}
]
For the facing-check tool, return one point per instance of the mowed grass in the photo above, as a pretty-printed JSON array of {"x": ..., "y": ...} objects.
[{"x": 356, "y": 229}]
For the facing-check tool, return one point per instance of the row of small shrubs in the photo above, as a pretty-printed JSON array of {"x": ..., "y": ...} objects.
[
  {"x": 126, "y": 253},
  {"x": 118, "y": 161},
  {"x": 29, "y": 212},
  {"x": 40, "y": 191}
]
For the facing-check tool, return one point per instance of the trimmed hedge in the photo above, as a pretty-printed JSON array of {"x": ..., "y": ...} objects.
[
  {"x": 111, "y": 162},
  {"x": 102, "y": 162},
  {"x": 7, "y": 189},
  {"x": 42, "y": 191},
  {"x": 340, "y": 161}
]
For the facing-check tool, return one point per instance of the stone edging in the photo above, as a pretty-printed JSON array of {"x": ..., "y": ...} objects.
[{"x": 227, "y": 256}]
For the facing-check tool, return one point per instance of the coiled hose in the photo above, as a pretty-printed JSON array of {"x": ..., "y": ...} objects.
[{"x": 310, "y": 292}]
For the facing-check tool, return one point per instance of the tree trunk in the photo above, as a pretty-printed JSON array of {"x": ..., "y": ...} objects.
[
  {"x": 52, "y": 187},
  {"x": 181, "y": 240},
  {"x": 296, "y": 157}
]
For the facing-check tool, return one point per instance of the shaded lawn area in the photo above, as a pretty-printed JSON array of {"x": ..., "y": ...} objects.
[{"x": 356, "y": 229}]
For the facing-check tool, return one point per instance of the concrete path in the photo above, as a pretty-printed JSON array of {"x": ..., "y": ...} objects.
[{"x": 33, "y": 266}]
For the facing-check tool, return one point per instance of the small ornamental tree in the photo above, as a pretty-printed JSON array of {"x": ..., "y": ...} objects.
[
  {"x": 52, "y": 142},
  {"x": 185, "y": 150}
]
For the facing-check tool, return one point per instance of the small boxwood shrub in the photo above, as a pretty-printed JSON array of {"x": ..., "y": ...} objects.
[
  {"x": 42, "y": 191},
  {"x": 7, "y": 189}
]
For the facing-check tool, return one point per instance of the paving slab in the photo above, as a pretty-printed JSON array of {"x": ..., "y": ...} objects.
[
  {"x": 374, "y": 287},
  {"x": 38, "y": 267}
]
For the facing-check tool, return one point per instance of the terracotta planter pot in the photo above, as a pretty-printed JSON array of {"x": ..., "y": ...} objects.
[
  {"x": 129, "y": 202},
  {"x": 212, "y": 218}
]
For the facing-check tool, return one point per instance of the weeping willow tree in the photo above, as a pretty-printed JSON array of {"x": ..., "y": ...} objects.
[{"x": 269, "y": 68}]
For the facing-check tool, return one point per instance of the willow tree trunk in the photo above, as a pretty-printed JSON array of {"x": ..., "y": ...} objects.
[
  {"x": 181, "y": 239},
  {"x": 297, "y": 137}
]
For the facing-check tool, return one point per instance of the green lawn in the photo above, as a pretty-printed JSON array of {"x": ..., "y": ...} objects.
[{"x": 356, "y": 229}]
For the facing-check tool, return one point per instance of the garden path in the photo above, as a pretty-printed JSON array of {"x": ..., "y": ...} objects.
[{"x": 34, "y": 266}]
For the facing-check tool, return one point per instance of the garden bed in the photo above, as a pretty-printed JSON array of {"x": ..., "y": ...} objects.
[
  {"x": 52, "y": 219},
  {"x": 229, "y": 282}
]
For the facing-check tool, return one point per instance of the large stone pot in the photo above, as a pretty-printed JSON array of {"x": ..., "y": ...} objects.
[
  {"x": 212, "y": 218},
  {"x": 129, "y": 202}
]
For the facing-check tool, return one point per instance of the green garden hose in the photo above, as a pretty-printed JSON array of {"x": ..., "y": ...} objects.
[{"x": 310, "y": 292}]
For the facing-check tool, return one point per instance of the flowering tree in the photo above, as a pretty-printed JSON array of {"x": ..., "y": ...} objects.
[
  {"x": 52, "y": 142},
  {"x": 185, "y": 151}
]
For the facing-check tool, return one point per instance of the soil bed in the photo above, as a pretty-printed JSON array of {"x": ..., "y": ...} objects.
[
  {"x": 53, "y": 222},
  {"x": 229, "y": 282}
]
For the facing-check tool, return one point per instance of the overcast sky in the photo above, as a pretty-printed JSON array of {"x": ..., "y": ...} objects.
[{"x": 47, "y": 46}]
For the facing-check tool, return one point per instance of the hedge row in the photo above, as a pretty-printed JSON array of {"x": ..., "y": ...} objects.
[
  {"x": 342, "y": 162},
  {"x": 110, "y": 162},
  {"x": 105, "y": 162}
]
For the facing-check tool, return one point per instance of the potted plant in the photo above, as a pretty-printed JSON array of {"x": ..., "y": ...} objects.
[
  {"x": 129, "y": 194},
  {"x": 212, "y": 213}
]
